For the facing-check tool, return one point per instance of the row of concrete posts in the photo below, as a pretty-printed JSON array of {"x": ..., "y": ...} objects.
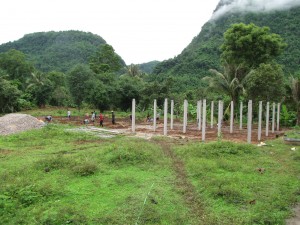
[{"x": 201, "y": 117}]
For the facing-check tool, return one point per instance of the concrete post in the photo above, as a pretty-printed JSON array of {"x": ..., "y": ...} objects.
[
  {"x": 241, "y": 115},
  {"x": 273, "y": 118},
  {"x": 185, "y": 106},
  {"x": 172, "y": 114},
  {"x": 212, "y": 114},
  {"x": 186, "y": 114},
  {"x": 155, "y": 115},
  {"x": 249, "y": 121},
  {"x": 133, "y": 116},
  {"x": 231, "y": 116},
  {"x": 259, "y": 121},
  {"x": 278, "y": 116},
  {"x": 204, "y": 120},
  {"x": 220, "y": 118},
  {"x": 267, "y": 118},
  {"x": 166, "y": 117},
  {"x": 200, "y": 115},
  {"x": 198, "y": 107}
]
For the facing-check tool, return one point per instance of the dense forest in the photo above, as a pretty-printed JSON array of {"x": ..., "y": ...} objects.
[
  {"x": 257, "y": 59},
  {"x": 93, "y": 76},
  {"x": 58, "y": 51},
  {"x": 203, "y": 53}
]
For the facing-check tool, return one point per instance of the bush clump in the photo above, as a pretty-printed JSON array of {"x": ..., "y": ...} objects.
[
  {"x": 86, "y": 169},
  {"x": 53, "y": 163},
  {"x": 128, "y": 155}
]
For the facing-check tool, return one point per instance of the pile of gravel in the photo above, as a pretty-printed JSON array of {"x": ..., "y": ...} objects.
[{"x": 14, "y": 123}]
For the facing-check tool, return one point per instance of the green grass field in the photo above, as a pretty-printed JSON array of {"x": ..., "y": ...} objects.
[{"x": 54, "y": 176}]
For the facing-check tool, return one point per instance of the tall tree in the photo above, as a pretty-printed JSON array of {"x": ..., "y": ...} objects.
[
  {"x": 106, "y": 60},
  {"x": 266, "y": 83},
  {"x": 133, "y": 70},
  {"x": 60, "y": 95},
  {"x": 294, "y": 84},
  {"x": 77, "y": 80},
  {"x": 97, "y": 94},
  {"x": 9, "y": 95},
  {"x": 40, "y": 87},
  {"x": 250, "y": 45},
  {"x": 15, "y": 64},
  {"x": 129, "y": 88}
]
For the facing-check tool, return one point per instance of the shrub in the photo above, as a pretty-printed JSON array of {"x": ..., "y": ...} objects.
[
  {"x": 86, "y": 169},
  {"x": 129, "y": 155},
  {"x": 53, "y": 163},
  {"x": 61, "y": 215}
]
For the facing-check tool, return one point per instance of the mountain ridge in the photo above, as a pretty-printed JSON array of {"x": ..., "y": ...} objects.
[
  {"x": 203, "y": 53},
  {"x": 54, "y": 50}
]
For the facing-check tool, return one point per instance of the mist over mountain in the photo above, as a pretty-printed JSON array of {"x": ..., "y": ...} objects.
[
  {"x": 203, "y": 53},
  {"x": 226, "y": 6}
]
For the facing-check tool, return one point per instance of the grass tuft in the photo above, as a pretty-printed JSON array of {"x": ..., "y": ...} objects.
[
  {"x": 85, "y": 169},
  {"x": 128, "y": 155},
  {"x": 53, "y": 163}
]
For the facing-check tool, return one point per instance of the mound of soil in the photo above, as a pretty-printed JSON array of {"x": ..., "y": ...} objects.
[{"x": 14, "y": 123}]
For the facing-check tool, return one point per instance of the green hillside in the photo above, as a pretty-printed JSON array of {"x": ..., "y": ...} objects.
[
  {"x": 58, "y": 51},
  {"x": 203, "y": 52},
  {"x": 148, "y": 66}
]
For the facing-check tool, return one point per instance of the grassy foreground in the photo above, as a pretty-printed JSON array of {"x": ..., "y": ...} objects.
[
  {"x": 54, "y": 176},
  {"x": 244, "y": 184}
]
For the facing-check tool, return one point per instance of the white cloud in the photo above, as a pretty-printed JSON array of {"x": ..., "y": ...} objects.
[{"x": 254, "y": 6}]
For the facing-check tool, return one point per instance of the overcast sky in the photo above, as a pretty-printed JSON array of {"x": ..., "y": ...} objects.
[{"x": 139, "y": 30}]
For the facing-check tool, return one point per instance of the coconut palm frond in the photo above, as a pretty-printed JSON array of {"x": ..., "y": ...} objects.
[
  {"x": 231, "y": 82},
  {"x": 215, "y": 72},
  {"x": 36, "y": 79}
]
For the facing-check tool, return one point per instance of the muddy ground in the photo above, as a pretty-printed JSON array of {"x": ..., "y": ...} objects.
[{"x": 146, "y": 128}]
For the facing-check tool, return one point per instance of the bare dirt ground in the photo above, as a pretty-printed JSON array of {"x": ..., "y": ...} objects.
[
  {"x": 295, "y": 220},
  {"x": 145, "y": 129}
]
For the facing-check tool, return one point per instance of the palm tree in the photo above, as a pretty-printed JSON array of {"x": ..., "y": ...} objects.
[
  {"x": 40, "y": 86},
  {"x": 133, "y": 70},
  {"x": 36, "y": 79},
  {"x": 231, "y": 82},
  {"x": 294, "y": 84}
]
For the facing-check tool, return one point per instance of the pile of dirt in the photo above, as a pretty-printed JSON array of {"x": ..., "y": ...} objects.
[{"x": 14, "y": 123}]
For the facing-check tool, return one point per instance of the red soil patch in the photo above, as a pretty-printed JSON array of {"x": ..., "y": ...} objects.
[
  {"x": 192, "y": 131},
  {"x": 5, "y": 152}
]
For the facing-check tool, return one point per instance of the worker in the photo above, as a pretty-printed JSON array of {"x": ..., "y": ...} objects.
[
  {"x": 101, "y": 118},
  {"x": 113, "y": 118},
  {"x": 48, "y": 118}
]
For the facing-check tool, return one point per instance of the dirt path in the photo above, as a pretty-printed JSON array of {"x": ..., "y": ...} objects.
[
  {"x": 183, "y": 184},
  {"x": 295, "y": 220},
  {"x": 191, "y": 133}
]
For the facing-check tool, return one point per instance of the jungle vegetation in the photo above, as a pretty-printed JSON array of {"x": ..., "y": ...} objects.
[{"x": 73, "y": 68}]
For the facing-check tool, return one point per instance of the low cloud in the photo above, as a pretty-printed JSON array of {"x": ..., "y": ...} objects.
[{"x": 253, "y": 6}]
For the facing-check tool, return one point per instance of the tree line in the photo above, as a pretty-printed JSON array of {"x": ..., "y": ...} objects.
[
  {"x": 102, "y": 84},
  {"x": 249, "y": 70}
]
